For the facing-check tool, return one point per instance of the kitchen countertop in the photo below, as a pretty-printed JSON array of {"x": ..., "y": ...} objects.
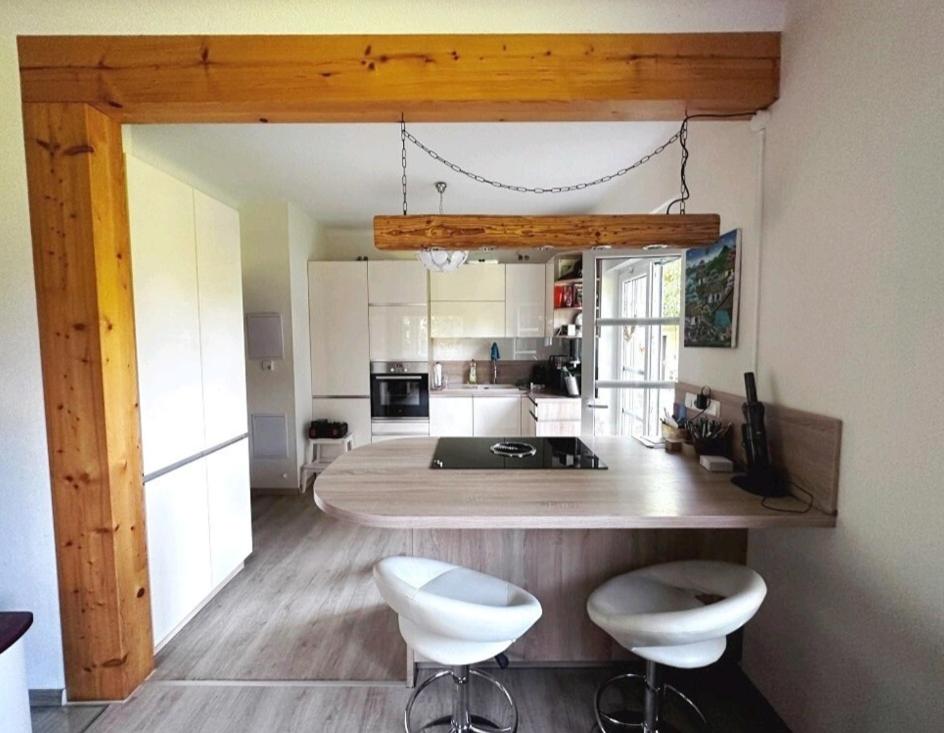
[
  {"x": 390, "y": 484},
  {"x": 496, "y": 390}
]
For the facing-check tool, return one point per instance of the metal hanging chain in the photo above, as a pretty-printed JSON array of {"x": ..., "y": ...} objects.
[
  {"x": 403, "y": 160},
  {"x": 407, "y": 135},
  {"x": 681, "y": 137}
]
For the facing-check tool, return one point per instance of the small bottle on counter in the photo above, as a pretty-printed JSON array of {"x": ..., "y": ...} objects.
[{"x": 473, "y": 377}]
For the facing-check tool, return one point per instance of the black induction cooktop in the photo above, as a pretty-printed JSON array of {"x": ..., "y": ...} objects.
[{"x": 514, "y": 453}]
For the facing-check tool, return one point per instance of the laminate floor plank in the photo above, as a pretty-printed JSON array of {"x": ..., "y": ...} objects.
[
  {"x": 66, "y": 719},
  {"x": 304, "y": 608},
  {"x": 549, "y": 701}
]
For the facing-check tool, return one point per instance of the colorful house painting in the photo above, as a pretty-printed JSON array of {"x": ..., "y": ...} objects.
[{"x": 712, "y": 276}]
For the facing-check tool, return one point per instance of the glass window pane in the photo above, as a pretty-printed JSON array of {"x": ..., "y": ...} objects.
[
  {"x": 631, "y": 412},
  {"x": 637, "y": 353}
]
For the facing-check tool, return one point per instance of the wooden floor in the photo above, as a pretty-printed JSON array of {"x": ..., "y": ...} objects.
[
  {"x": 292, "y": 612},
  {"x": 290, "y": 615},
  {"x": 549, "y": 701}
]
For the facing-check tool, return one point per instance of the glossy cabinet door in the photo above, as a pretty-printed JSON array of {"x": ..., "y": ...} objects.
[
  {"x": 496, "y": 417},
  {"x": 178, "y": 545},
  {"x": 397, "y": 282},
  {"x": 399, "y": 333},
  {"x": 167, "y": 316},
  {"x": 355, "y": 412},
  {"x": 219, "y": 277},
  {"x": 340, "y": 349},
  {"x": 525, "y": 302},
  {"x": 528, "y": 422},
  {"x": 230, "y": 514},
  {"x": 472, "y": 282},
  {"x": 450, "y": 416},
  {"x": 452, "y": 319}
]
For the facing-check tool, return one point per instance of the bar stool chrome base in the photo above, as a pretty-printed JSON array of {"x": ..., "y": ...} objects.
[
  {"x": 461, "y": 720},
  {"x": 648, "y": 720}
]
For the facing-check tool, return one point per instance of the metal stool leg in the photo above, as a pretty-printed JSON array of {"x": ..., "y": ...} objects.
[
  {"x": 462, "y": 720},
  {"x": 649, "y": 719}
]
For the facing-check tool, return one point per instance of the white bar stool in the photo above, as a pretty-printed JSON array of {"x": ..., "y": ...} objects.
[
  {"x": 677, "y": 614},
  {"x": 318, "y": 462},
  {"x": 456, "y": 617}
]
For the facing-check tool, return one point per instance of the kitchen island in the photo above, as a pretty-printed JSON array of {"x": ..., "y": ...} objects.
[
  {"x": 559, "y": 533},
  {"x": 391, "y": 485}
]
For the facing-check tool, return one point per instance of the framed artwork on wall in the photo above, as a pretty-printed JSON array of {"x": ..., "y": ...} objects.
[{"x": 712, "y": 280}]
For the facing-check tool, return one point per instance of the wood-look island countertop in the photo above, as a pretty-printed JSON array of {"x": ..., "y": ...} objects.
[{"x": 390, "y": 484}]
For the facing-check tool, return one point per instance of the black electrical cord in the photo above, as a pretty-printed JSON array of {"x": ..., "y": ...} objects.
[
  {"x": 804, "y": 510},
  {"x": 684, "y": 193}
]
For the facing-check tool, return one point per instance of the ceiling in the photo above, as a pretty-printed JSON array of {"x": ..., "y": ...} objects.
[{"x": 344, "y": 174}]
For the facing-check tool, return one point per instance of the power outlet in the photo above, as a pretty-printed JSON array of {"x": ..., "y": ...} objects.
[{"x": 714, "y": 407}]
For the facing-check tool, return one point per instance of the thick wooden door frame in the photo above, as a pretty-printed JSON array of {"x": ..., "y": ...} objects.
[{"x": 78, "y": 90}]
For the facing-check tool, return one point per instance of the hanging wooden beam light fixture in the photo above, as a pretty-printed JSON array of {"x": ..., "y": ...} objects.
[{"x": 475, "y": 231}]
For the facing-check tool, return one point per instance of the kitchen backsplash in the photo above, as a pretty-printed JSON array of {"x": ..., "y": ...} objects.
[
  {"x": 510, "y": 349},
  {"x": 509, "y": 372}
]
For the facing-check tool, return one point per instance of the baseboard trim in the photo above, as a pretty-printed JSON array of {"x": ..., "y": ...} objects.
[
  {"x": 52, "y": 698},
  {"x": 287, "y": 491}
]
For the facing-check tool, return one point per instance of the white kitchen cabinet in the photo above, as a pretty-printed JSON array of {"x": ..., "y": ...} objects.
[
  {"x": 178, "y": 545},
  {"x": 399, "y": 332},
  {"x": 230, "y": 514},
  {"x": 496, "y": 417},
  {"x": 219, "y": 276},
  {"x": 557, "y": 428},
  {"x": 340, "y": 349},
  {"x": 167, "y": 316},
  {"x": 456, "y": 319},
  {"x": 450, "y": 416},
  {"x": 354, "y": 411},
  {"x": 475, "y": 281},
  {"x": 525, "y": 302},
  {"x": 397, "y": 282},
  {"x": 528, "y": 422}
]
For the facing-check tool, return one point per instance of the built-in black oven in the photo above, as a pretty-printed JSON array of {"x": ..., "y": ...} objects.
[{"x": 399, "y": 389}]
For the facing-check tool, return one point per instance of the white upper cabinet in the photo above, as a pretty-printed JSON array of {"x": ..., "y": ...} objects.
[
  {"x": 167, "y": 316},
  {"x": 457, "y": 319},
  {"x": 340, "y": 348},
  {"x": 496, "y": 417},
  {"x": 475, "y": 281},
  {"x": 397, "y": 282},
  {"x": 399, "y": 333},
  {"x": 525, "y": 301},
  {"x": 219, "y": 275}
]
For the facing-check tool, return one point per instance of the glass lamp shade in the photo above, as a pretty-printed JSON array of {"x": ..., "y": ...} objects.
[{"x": 442, "y": 260}]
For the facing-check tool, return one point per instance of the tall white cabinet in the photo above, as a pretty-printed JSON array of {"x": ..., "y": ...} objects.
[
  {"x": 192, "y": 384},
  {"x": 340, "y": 345}
]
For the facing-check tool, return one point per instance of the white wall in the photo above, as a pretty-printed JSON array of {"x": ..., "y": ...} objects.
[
  {"x": 24, "y": 480},
  {"x": 851, "y": 637},
  {"x": 305, "y": 242},
  {"x": 723, "y": 178}
]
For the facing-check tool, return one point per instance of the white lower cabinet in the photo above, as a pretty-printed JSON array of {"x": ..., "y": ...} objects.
[
  {"x": 557, "y": 428},
  {"x": 178, "y": 545},
  {"x": 229, "y": 509},
  {"x": 497, "y": 417},
  {"x": 528, "y": 421},
  {"x": 450, "y": 416}
]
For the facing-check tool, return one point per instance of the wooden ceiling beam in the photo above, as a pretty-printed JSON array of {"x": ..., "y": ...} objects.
[
  {"x": 448, "y": 78},
  {"x": 475, "y": 231}
]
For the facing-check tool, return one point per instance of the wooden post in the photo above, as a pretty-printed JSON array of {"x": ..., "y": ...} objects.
[{"x": 81, "y": 252}]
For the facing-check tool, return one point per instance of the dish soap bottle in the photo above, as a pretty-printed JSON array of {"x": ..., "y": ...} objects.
[{"x": 473, "y": 378}]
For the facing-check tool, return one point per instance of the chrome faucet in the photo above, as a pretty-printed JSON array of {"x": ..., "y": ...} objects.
[{"x": 494, "y": 355}]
